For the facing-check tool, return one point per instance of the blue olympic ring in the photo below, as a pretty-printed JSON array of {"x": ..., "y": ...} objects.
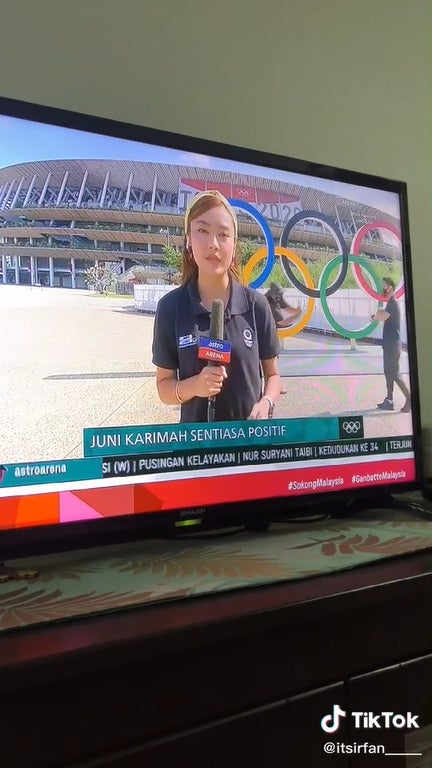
[{"x": 253, "y": 213}]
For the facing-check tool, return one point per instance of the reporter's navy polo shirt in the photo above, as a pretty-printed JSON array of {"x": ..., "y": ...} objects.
[{"x": 181, "y": 319}]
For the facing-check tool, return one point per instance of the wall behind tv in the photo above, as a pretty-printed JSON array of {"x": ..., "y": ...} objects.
[{"x": 341, "y": 82}]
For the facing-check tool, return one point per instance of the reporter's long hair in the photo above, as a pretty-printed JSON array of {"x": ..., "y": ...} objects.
[{"x": 200, "y": 204}]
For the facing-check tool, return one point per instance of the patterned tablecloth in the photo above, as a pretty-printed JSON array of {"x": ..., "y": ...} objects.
[{"x": 114, "y": 578}]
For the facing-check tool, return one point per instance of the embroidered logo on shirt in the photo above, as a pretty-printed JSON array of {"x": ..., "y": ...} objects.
[
  {"x": 248, "y": 337},
  {"x": 187, "y": 341}
]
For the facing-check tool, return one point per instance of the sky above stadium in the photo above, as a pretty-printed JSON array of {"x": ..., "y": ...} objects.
[{"x": 23, "y": 141}]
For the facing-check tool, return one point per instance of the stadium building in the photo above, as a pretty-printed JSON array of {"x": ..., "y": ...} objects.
[{"x": 58, "y": 218}]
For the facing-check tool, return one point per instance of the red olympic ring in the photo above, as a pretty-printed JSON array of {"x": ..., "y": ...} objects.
[{"x": 355, "y": 248}]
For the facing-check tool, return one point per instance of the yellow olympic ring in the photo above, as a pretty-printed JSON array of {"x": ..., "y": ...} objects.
[{"x": 261, "y": 254}]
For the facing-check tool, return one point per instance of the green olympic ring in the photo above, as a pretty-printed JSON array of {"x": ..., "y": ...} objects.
[{"x": 360, "y": 333}]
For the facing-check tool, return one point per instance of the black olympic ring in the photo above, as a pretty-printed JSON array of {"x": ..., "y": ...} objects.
[{"x": 286, "y": 266}]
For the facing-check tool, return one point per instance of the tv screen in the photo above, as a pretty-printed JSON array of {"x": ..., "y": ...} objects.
[{"x": 193, "y": 331}]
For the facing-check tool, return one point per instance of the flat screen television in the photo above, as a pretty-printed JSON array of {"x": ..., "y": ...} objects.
[{"x": 92, "y": 216}]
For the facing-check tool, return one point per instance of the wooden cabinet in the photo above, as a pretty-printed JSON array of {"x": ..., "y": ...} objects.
[
  {"x": 286, "y": 732},
  {"x": 236, "y": 679},
  {"x": 401, "y": 689}
]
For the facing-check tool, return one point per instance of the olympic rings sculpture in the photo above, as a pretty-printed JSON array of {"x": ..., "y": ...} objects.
[{"x": 343, "y": 260}]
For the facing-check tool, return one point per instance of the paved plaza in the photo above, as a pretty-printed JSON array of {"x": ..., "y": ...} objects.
[{"x": 72, "y": 359}]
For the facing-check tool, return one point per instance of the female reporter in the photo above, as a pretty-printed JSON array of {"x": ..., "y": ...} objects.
[{"x": 249, "y": 385}]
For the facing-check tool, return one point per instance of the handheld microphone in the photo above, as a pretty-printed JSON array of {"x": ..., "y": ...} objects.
[
  {"x": 216, "y": 332},
  {"x": 217, "y": 320},
  {"x": 214, "y": 349}
]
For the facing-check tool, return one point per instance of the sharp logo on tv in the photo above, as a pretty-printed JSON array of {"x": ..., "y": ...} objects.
[
  {"x": 192, "y": 512},
  {"x": 115, "y": 254}
]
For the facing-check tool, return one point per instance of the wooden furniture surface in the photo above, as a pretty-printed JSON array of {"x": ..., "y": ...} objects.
[{"x": 240, "y": 678}]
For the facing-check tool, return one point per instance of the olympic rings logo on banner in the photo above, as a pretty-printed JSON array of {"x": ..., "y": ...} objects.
[
  {"x": 343, "y": 260},
  {"x": 351, "y": 427}
]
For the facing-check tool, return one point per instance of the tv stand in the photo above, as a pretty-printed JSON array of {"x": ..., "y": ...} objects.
[
  {"x": 257, "y": 526},
  {"x": 384, "y": 501}
]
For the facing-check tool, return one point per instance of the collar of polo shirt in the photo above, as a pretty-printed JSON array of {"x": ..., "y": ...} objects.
[{"x": 237, "y": 302}]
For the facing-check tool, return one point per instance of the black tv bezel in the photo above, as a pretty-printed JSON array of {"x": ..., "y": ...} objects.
[{"x": 43, "y": 539}]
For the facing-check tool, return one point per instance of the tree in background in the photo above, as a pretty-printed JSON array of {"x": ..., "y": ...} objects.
[
  {"x": 100, "y": 278},
  {"x": 246, "y": 249},
  {"x": 173, "y": 259}
]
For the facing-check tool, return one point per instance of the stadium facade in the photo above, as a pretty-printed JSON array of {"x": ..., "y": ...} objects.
[{"x": 60, "y": 217}]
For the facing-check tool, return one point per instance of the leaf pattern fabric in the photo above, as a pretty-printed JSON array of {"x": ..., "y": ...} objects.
[{"x": 90, "y": 582}]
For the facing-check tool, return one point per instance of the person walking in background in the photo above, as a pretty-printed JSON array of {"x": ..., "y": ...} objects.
[{"x": 391, "y": 344}]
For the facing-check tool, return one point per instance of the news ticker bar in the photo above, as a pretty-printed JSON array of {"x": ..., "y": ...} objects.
[
  {"x": 110, "y": 466},
  {"x": 225, "y": 434},
  {"x": 210, "y": 458}
]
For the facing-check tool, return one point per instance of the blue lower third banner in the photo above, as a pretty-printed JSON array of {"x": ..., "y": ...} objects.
[
  {"x": 56, "y": 471},
  {"x": 225, "y": 434}
]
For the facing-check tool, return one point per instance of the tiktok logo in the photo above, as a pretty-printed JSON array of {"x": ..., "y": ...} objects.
[{"x": 330, "y": 723}]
